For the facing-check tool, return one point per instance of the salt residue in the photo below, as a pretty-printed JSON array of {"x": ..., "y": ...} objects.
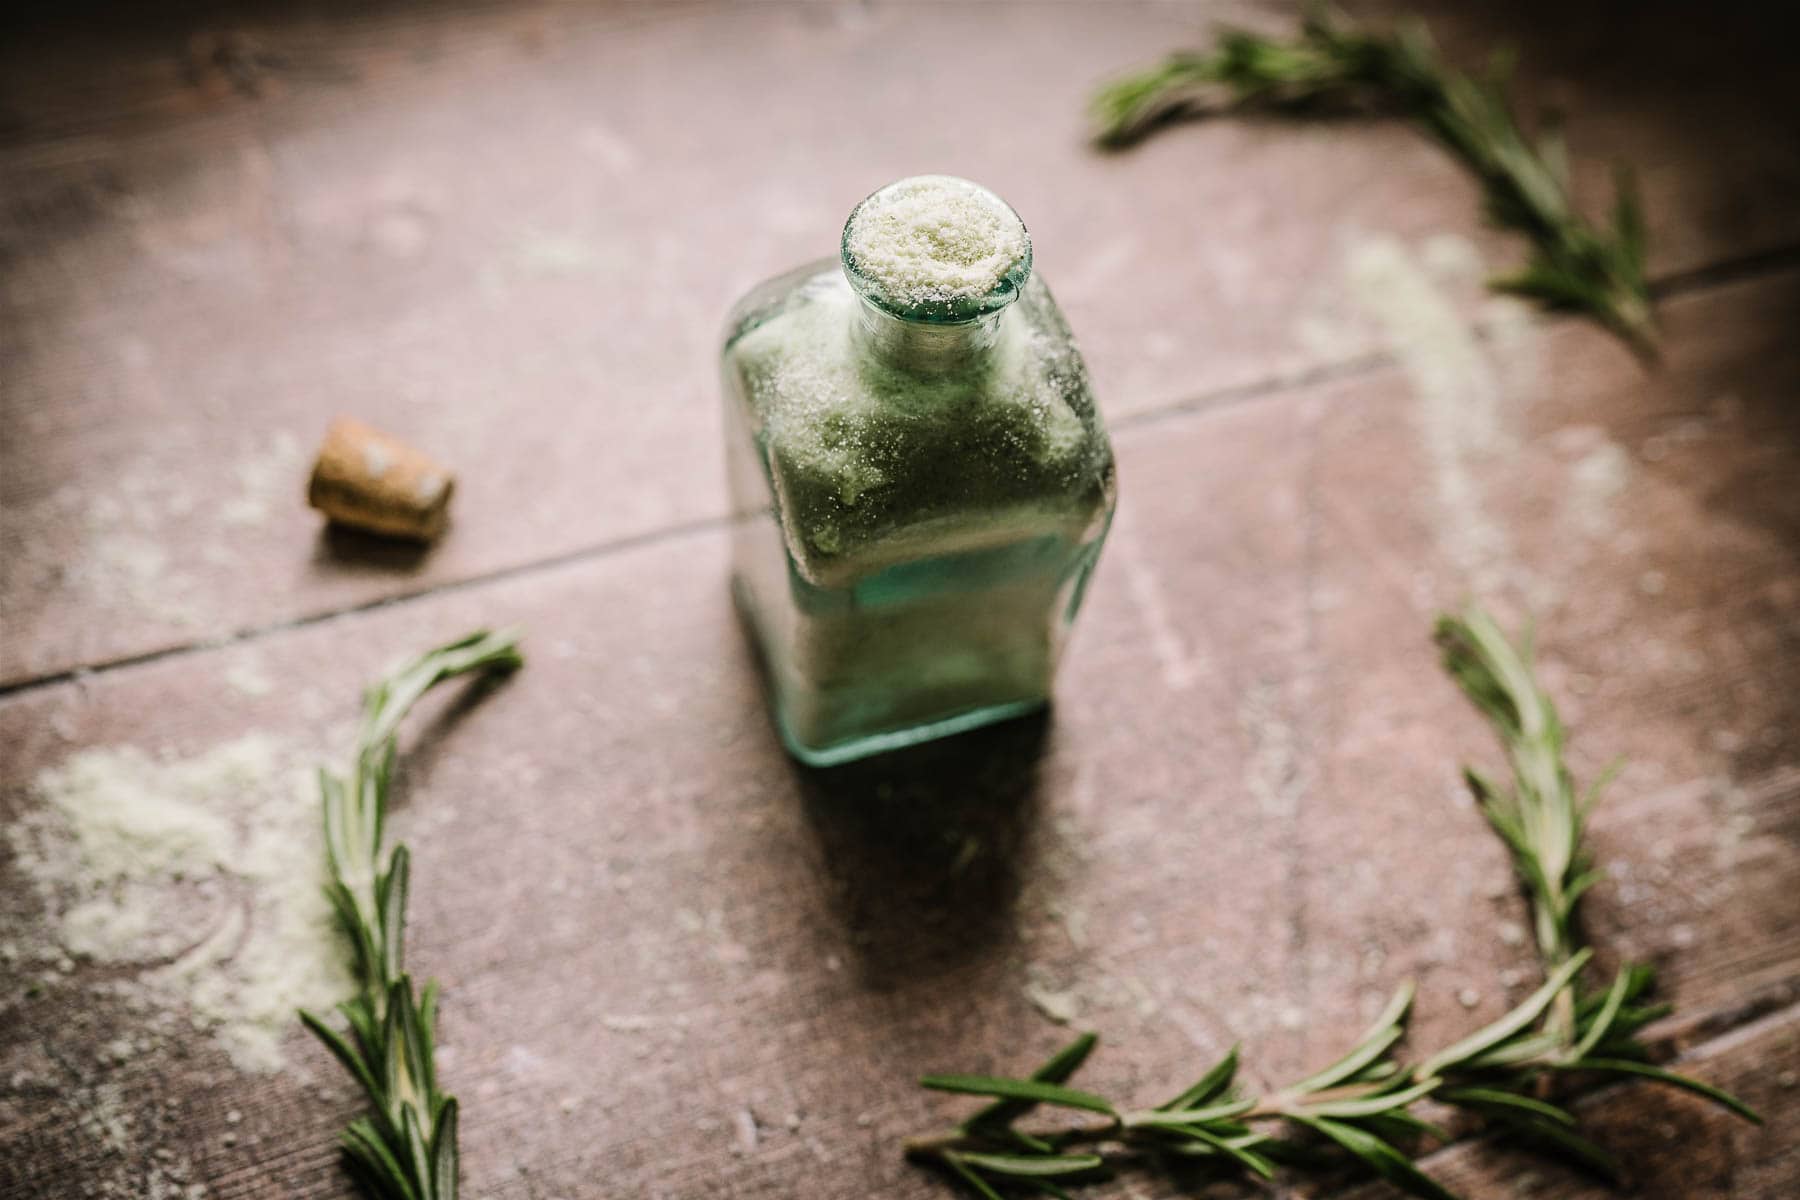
[
  {"x": 204, "y": 873},
  {"x": 126, "y": 818},
  {"x": 1274, "y": 775},
  {"x": 247, "y": 674},
  {"x": 1181, "y": 667},
  {"x": 127, "y": 560},
  {"x": 1458, "y": 393},
  {"x": 935, "y": 239},
  {"x": 1062, "y": 1005},
  {"x": 124, "y": 566},
  {"x": 263, "y": 476},
  {"x": 1596, "y": 480},
  {"x": 106, "y": 1118}
]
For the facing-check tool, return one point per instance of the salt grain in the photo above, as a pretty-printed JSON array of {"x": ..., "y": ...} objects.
[
  {"x": 1063, "y": 1007},
  {"x": 935, "y": 239},
  {"x": 1459, "y": 397},
  {"x": 184, "y": 869}
]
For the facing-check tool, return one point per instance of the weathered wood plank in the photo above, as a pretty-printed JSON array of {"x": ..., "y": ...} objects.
[
  {"x": 1634, "y": 518},
  {"x": 640, "y": 905},
  {"x": 679, "y": 963},
  {"x": 510, "y": 234},
  {"x": 519, "y": 252},
  {"x": 1720, "y": 1156}
]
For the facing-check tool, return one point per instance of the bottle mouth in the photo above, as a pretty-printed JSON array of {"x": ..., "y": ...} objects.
[{"x": 936, "y": 249}]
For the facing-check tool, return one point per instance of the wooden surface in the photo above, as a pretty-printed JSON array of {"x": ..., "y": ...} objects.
[{"x": 678, "y": 965}]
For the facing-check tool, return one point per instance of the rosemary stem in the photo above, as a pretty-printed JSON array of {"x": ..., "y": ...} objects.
[
  {"x": 1278, "y": 1106},
  {"x": 937, "y": 1145}
]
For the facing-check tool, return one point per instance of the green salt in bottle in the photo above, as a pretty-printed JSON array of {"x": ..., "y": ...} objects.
[{"x": 920, "y": 479}]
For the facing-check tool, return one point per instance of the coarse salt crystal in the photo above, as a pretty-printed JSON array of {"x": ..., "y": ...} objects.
[{"x": 935, "y": 239}]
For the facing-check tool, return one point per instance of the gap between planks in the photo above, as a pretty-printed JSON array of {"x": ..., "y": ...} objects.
[
  {"x": 1724, "y": 273},
  {"x": 253, "y": 633}
]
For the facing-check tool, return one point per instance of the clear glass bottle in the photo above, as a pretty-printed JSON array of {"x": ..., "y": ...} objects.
[{"x": 920, "y": 479}]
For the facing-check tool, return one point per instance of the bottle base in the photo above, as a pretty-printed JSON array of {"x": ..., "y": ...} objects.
[{"x": 839, "y": 753}]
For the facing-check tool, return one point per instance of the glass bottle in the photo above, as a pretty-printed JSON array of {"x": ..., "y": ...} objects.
[{"x": 920, "y": 479}]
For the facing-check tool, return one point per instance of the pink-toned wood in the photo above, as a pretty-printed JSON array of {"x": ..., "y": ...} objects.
[
  {"x": 676, "y": 964},
  {"x": 1720, "y": 1157},
  {"x": 1634, "y": 517},
  {"x": 510, "y": 234},
  {"x": 1241, "y": 824}
]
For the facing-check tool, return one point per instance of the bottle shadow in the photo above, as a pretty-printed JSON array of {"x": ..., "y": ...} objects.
[{"x": 926, "y": 848}]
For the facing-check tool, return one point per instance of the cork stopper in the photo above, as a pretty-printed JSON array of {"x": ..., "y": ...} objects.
[{"x": 373, "y": 481}]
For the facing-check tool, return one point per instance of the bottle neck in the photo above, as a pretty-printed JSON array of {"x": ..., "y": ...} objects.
[{"x": 920, "y": 347}]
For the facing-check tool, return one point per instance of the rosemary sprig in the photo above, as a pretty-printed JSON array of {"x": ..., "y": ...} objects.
[
  {"x": 1362, "y": 1107},
  {"x": 1575, "y": 265},
  {"x": 405, "y": 1149},
  {"x": 1541, "y": 818}
]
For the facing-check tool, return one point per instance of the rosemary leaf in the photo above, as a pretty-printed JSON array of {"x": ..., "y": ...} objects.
[
  {"x": 1381, "y": 1158},
  {"x": 1560, "y": 1138},
  {"x": 1032, "y": 1165},
  {"x": 1018, "y": 1089},
  {"x": 1057, "y": 1069},
  {"x": 1175, "y": 1118},
  {"x": 1620, "y": 1066},
  {"x": 967, "y": 1174},
  {"x": 1213, "y": 1083},
  {"x": 1516, "y": 1021},
  {"x": 1234, "y": 1149},
  {"x": 1492, "y": 1098},
  {"x": 1387, "y": 1029},
  {"x": 1602, "y": 1021},
  {"x": 1540, "y": 817},
  {"x": 1371, "y": 1106}
]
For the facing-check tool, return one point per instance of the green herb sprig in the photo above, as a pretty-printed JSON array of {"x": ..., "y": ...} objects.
[
  {"x": 1574, "y": 265},
  {"x": 405, "y": 1149},
  {"x": 1362, "y": 1107}
]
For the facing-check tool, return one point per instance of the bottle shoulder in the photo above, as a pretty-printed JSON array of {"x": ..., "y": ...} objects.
[
  {"x": 781, "y": 294},
  {"x": 868, "y": 462}
]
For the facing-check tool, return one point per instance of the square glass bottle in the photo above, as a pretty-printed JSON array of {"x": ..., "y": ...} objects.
[{"x": 920, "y": 479}]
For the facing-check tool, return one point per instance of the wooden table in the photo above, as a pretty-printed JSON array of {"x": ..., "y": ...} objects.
[{"x": 677, "y": 965}]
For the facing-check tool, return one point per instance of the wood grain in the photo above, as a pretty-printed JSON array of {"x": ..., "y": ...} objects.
[
  {"x": 1240, "y": 823},
  {"x": 1722, "y": 1157},
  {"x": 677, "y": 965},
  {"x": 510, "y": 234},
  {"x": 1634, "y": 520}
]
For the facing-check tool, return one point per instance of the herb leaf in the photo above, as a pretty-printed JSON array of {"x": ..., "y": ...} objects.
[
  {"x": 1516, "y": 1021},
  {"x": 1060, "y": 1066},
  {"x": 1030, "y": 1165},
  {"x": 1018, "y": 1089},
  {"x": 1213, "y": 1083},
  {"x": 1380, "y": 1158},
  {"x": 1622, "y": 1066}
]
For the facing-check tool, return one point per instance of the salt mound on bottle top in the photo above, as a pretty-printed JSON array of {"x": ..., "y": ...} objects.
[{"x": 936, "y": 248}]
